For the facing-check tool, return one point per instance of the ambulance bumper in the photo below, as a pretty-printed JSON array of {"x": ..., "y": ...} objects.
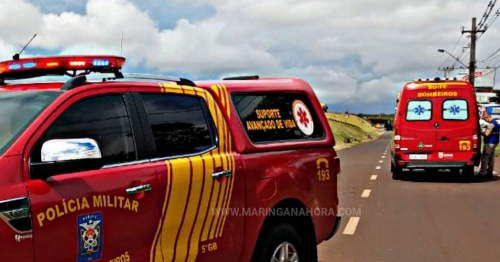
[
  {"x": 430, "y": 164},
  {"x": 335, "y": 228}
]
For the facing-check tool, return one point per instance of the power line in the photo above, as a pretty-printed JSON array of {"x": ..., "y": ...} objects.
[
  {"x": 497, "y": 13},
  {"x": 487, "y": 12},
  {"x": 497, "y": 62},
  {"x": 453, "y": 50},
  {"x": 492, "y": 20},
  {"x": 488, "y": 58},
  {"x": 460, "y": 55},
  {"x": 476, "y": 33},
  {"x": 455, "y": 56}
]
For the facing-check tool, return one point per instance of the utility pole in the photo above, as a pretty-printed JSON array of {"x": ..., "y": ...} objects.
[{"x": 472, "y": 60}]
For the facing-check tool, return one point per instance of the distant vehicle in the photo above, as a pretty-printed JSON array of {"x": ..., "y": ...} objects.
[
  {"x": 436, "y": 127},
  {"x": 493, "y": 110},
  {"x": 484, "y": 98},
  {"x": 388, "y": 126}
]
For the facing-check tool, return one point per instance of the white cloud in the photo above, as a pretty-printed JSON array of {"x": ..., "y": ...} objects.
[{"x": 346, "y": 49}]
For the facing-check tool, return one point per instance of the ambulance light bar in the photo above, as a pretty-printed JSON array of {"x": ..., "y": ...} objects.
[
  {"x": 436, "y": 79},
  {"x": 60, "y": 65}
]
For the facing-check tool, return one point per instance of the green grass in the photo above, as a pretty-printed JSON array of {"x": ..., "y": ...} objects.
[
  {"x": 347, "y": 128},
  {"x": 353, "y": 120}
]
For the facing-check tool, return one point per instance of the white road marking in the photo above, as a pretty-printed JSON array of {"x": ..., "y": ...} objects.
[
  {"x": 366, "y": 193},
  {"x": 381, "y": 161},
  {"x": 383, "y": 156},
  {"x": 350, "y": 228},
  {"x": 373, "y": 177},
  {"x": 378, "y": 167}
]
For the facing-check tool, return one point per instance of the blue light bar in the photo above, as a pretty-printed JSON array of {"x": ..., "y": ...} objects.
[
  {"x": 25, "y": 65},
  {"x": 29, "y": 65},
  {"x": 100, "y": 63},
  {"x": 14, "y": 66}
]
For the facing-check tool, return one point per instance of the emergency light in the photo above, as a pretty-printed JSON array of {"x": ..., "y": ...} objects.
[{"x": 60, "y": 65}]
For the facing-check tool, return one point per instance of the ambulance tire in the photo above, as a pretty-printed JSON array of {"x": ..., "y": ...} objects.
[
  {"x": 274, "y": 238},
  {"x": 468, "y": 173},
  {"x": 397, "y": 172}
]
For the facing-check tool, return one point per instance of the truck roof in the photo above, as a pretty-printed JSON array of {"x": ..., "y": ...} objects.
[{"x": 260, "y": 84}]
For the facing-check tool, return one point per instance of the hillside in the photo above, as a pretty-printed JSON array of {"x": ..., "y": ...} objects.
[{"x": 353, "y": 128}]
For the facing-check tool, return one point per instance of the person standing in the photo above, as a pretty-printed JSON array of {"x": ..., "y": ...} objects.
[{"x": 491, "y": 138}]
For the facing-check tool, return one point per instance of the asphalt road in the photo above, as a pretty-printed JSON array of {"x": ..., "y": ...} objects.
[{"x": 432, "y": 217}]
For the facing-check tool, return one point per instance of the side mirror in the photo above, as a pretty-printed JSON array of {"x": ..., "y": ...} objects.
[{"x": 59, "y": 156}]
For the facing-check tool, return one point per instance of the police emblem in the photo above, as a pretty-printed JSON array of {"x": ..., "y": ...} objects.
[{"x": 89, "y": 237}]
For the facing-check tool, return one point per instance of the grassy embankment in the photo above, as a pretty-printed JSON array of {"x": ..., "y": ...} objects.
[{"x": 357, "y": 129}]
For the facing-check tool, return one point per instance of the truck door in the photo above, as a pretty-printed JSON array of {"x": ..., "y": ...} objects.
[
  {"x": 456, "y": 128},
  {"x": 95, "y": 215},
  {"x": 194, "y": 157},
  {"x": 418, "y": 129}
]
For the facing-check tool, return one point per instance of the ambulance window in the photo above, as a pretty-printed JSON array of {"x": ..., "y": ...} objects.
[
  {"x": 179, "y": 124},
  {"x": 102, "y": 118},
  {"x": 419, "y": 110},
  {"x": 455, "y": 109}
]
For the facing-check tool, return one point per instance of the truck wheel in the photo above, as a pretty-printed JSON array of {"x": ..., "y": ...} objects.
[{"x": 280, "y": 244}]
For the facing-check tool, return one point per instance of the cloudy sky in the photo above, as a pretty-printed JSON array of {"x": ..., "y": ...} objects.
[{"x": 356, "y": 54}]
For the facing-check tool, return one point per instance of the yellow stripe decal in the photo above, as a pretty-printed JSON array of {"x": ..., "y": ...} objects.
[
  {"x": 219, "y": 162},
  {"x": 225, "y": 166},
  {"x": 441, "y": 83},
  {"x": 189, "y": 90},
  {"x": 210, "y": 165},
  {"x": 232, "y": 167},
  {"x": 228, "y": 102},
  {"x": 191, "y": 211},
  {"x": 156, "y": 251},
  {"x": 215, "y": 192},
  {"x": 185, "y": 245}
]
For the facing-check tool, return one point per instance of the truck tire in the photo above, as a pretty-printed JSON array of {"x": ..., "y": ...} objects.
[{"x": 275, "y": 243}]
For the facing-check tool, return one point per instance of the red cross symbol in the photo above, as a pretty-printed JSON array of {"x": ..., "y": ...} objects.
[{"x": 304, "y": 120}]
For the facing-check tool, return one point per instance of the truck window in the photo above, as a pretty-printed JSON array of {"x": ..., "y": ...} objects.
[
  {"x": 277, "y": 117},
  {"x": 455, "y": 109},
  {"x": 179, "y": 124},
  {"x": 419, "y": 110},
  {"x": 18, "y": 111},
  {"x": 102, "y": 118}
]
